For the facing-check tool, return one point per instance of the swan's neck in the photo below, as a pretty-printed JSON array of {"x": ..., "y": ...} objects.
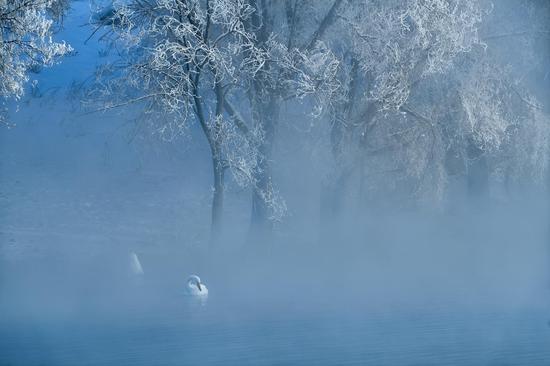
[{"x": 194, "y": 285}]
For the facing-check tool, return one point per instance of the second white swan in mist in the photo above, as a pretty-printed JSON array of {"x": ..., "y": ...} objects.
[
  {"x": 195, "y": 287},
  {"x": 135, "y": 265}
]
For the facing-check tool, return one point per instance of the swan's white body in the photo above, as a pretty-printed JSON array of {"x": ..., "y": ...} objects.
[
  {"x": 135, "y": 264},
  {"x": 195, "y": 287}
]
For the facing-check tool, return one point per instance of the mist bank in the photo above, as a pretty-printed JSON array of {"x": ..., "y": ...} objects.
[
  {"x": 71, "y": 215},
  {"x": 492, "y": 260}
]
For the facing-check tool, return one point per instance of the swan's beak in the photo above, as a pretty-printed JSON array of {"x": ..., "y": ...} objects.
[{"x": 199, "y": 286}]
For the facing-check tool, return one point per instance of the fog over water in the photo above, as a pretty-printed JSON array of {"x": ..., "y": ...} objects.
[{"x": 417, "y": 246}]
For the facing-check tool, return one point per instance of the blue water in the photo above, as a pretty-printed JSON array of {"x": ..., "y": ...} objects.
[{"x": 223, "y": 331}]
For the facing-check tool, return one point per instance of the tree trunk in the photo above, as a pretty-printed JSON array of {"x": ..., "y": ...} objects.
[
  {"x": 218, "y": 169},
  {"x": 217, "y": 201},
  {"x": 212, "y": 134},
  {"x": 477, "y": 173},
  {"x": 332, "y": 192},
  {"x": 478, "y": 179},
  {"x": 261, "y": 225}
]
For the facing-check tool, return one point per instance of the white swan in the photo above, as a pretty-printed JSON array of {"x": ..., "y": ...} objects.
[
  {"x": 195, "y": 287},
  {"x": 135, "y": 264}
]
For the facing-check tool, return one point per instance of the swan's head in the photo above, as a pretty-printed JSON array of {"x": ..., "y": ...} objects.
[{"x": 194, "y": 280}]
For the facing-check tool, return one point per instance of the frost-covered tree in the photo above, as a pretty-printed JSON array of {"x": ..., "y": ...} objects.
[
  {"x": 417, "y": 91},
  {"x": 196, "y": 61},
  {"x": 26, "y": 41},
  {"x": 290, "y": 31},
  {"x": 514, "y": 106},
  {"x": 391, "y": 50},
  {"x": 494, "y": 129},
  {"x": 423, "y": 94}
]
